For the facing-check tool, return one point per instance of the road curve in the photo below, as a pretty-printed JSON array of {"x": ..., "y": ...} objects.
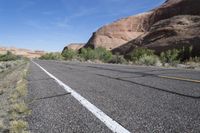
[{"x": 140, "y": 99}]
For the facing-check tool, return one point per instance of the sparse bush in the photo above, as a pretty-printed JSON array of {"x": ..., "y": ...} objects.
[
  {"x": 170, "y": 56},
  {"x": 21, "y": 88},
  {"x": 149, "y": 60},
  {"x": 51, "y": 56},
  {"x": 20, "y": 108},
  {"x": 138, "y": 53},
  {"x": 69, "y": 54},
  {"x": 9, "y": 57},
  {"x": 143, "y": 56},
  {"x": 118, "y": 59},
  {"x": 18, "y": 126}
]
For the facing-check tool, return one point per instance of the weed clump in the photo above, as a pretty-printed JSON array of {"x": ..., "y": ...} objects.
[{"x": 18, "y": 126}]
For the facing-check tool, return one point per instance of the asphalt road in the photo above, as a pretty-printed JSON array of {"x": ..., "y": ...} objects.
[{"x": 141, "y": 99}]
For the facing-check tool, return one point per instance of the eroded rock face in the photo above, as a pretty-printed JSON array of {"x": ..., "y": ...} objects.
[
  {"x": 172, "y": 25},
  {"x": 176, "y": 32},
  {"x": 122, "y": 31},
  {"x": 74, "y": 46},
  {"x": 119, "y": 32},
  {"x": 173, "y": 8}
]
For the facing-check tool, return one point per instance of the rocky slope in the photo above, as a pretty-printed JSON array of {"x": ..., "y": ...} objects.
[
  {"x": 173, "y": 25},
  {"x": 116, "y": 34},
  {"x": 23, "y": 52},
  {"x": 74, "y": 46},
  {"x": 176, "y": 32}
]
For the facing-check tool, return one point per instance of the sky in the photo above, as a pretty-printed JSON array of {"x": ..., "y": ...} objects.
[{"x": 52, "y": 24}]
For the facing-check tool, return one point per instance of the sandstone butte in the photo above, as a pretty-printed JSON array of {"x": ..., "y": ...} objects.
[
  {"x": 22, "y": 52},
  {"x": 174, "y": 24}
]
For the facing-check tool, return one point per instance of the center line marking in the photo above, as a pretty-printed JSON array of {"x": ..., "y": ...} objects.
[
  {"x": 109, "y": 122},
  {"x": 180, "y": 78}
]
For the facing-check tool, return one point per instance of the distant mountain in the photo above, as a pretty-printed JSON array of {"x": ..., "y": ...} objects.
[
  {"x": 174, "y": 24},
  {"x": 23, "y": 52}
]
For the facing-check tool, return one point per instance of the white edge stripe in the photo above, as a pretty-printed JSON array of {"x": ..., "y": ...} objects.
[{"x": 109, "y": 122}]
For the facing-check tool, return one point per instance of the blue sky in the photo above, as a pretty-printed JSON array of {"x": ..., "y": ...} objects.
[{"x": 52, "y": 24}]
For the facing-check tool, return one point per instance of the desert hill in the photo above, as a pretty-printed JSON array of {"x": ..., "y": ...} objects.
[{"x": 23, "y": 52}]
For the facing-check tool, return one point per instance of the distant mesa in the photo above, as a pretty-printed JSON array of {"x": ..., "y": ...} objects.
[
  {"x": 174, "y": 24},
  {"x": 74, "y": 46},
  {"x": 22, "y": 52}
]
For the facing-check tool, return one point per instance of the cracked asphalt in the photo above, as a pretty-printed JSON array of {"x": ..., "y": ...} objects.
[{"x": 135, "y": 97}]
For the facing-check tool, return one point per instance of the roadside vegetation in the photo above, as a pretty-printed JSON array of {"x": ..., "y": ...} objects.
[
  {"x": 9, "y": 57},
  {"x": 140, "y": 56},
  {"x": 85, "y": 54},
  {"x": 52, "y": 56},
  {"x": 13, "y": 91}
]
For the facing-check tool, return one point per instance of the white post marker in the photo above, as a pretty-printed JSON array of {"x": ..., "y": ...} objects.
[{"x": 109, "y": 122}]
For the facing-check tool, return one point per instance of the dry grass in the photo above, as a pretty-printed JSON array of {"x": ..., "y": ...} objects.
[
  {"x": 21, "y": 88},
  {"x": 14, "y": 87},
  {"x": 1, "y": 125},
  {"x": 18, "y": 126},
  {"x": 20, "y": 108}
]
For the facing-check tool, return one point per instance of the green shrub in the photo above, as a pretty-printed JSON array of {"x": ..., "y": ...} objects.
[
  {"x": 51, "y": 56},
  {"x": 103, "y": 54},
  {"x": 9, "y": 57},
  {"x": 149, "y": 60},
  {"x": 118, "y": 59},
  {"x": 87, "y": 54},
  {"x": 138, "y": 53},
  {"x": 96, "y": 54},
  {"x": 69, "y": 54},
  {"x": 170, "y": 56}
]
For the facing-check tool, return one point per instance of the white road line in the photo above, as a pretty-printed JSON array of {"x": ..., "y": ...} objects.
[{"x": 109, "y": 122}]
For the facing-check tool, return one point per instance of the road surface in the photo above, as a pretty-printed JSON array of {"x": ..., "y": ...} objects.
[{"x": 139, "y": 99}]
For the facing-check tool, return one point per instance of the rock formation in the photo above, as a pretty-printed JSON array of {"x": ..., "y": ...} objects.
[
  {"x": 74, "y": 46},
  {"x": 173, "y": 25},
  {"x": 120, "y": 32}
]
